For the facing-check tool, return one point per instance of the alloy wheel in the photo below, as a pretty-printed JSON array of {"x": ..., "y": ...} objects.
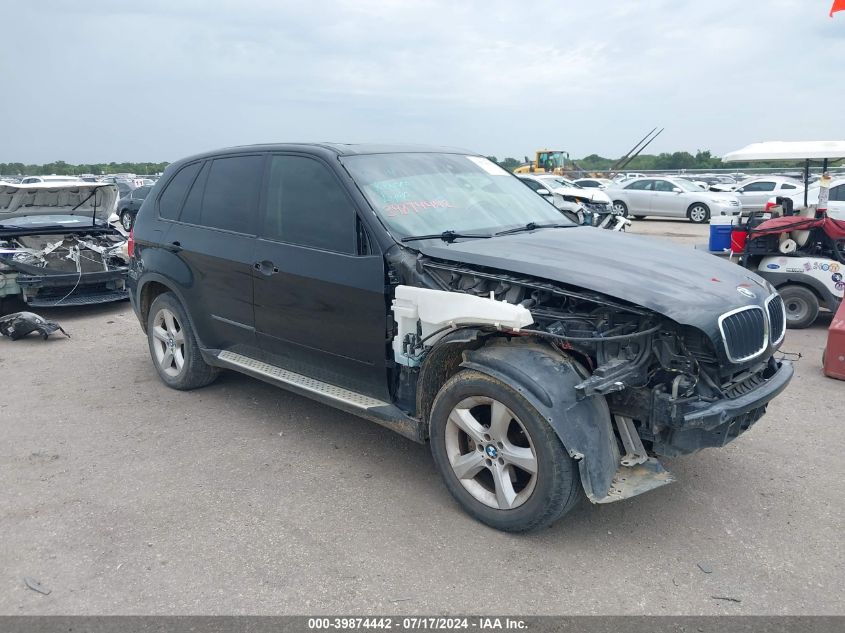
[
  {"x": 168, "y": 342},
  {"x": 491, "y": 453}
]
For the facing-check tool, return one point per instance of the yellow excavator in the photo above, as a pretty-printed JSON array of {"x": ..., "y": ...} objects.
[{"x": 548, "y": 161}]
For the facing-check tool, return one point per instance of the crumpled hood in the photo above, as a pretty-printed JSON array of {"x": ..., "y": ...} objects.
[
  {"x": 688, "y": 286},
  {"x": 596, "y": 195},
  {"x": 63, "y": 198}
]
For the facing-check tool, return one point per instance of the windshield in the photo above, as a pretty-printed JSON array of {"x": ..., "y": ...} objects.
[
  {"x": 686, "y": 185},
  {"x": 420, "y": 194},
  {"x": 557, "y": 181}
]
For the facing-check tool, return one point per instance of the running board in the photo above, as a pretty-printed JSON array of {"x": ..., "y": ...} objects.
[{"x": 302, "y": 383}]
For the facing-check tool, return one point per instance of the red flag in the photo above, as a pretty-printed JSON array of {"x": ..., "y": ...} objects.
[{"x": 838, "y": 5}]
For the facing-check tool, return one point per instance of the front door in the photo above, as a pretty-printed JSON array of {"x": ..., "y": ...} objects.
[{"x": 320, "y": 307}]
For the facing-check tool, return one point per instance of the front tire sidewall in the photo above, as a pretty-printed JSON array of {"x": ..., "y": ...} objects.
[
  {"x": 557, "y": 487},
  {"x": 699, "y": 220},
  {"x": 620, "y": 208}
]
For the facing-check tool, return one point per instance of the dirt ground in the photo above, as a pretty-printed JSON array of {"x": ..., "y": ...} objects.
[{"x": 122, "y": 496}]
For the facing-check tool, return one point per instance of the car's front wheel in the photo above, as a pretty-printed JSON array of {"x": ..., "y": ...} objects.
[
  {"x": 498, "y": 457},
  {"x": 698, "y": 213},
  {"x": 620, "y": 208},
  {"x": 173, "y": 346}
]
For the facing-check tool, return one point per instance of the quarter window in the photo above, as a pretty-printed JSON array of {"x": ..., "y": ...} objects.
[
  {"x": 171, "y": 198},
  {"x": 786, "y": 185},
  {"x": 306, "y": 205}
]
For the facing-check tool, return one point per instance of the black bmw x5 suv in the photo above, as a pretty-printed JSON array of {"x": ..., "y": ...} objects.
[{"x": 432, "y": 292}]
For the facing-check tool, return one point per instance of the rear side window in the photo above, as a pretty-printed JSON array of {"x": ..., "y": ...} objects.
[
  {"x": 788, "y": 186},
  {"x": 170, "y": 200},
  {"x": 764, "y": 185},
  {"x": 306, "y": 205},
  {"x": 231, "y": 194}
]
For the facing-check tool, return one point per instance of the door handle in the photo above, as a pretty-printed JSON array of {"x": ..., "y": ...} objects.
[{"x": 266, "y": 267}]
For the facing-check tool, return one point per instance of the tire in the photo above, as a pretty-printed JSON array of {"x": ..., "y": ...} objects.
[
  {"x": 170, "y": 330},
  {"x": 620, "y": 208},
  {"x": 639, "y": 217},
  {"x": 126, "y": 221},
  {"x": 698, "y": 213},
  {"x": 802, "y": 306},
  {"x": 527, "y": 441}
]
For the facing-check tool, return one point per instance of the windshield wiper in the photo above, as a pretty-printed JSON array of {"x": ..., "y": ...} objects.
[
  {"x": 533, "y": 226},
  {"x": 446, "y": 236}
]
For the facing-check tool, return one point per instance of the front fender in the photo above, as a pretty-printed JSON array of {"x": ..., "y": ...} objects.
[{"x": 546, "y": 378}]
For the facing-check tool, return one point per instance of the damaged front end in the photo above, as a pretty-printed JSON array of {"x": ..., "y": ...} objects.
[
  {"x": 56, "y": 247},
  {"x": 622, "y": 385},
  {"x": 74, "y": 269}
]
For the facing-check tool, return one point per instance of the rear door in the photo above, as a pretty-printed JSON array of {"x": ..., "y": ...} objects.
[
  {"x": 666, "y": 201},
  {"x": 755, "y": 194},
  {"x": 320, "y": 306},
  {"x": 638, "y": 196},
  {"x": 214, "y": 237}
]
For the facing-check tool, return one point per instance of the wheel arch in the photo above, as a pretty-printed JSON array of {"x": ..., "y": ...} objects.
[
  {"x": 151, "y": 287},
  {"x": 825, "y": 297},
  {"x": 546, "y": 377}
]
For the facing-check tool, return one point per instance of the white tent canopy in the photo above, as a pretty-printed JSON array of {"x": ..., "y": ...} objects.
[{"x": 787, "y": 150}]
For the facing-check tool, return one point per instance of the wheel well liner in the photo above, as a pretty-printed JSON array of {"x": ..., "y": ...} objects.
[{"x": 546, "y": 378}]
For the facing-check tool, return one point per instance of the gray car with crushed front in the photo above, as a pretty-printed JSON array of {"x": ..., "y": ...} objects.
[{"x": 432, "y": 292}]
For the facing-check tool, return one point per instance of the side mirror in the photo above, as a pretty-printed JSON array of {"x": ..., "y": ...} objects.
[
  {"x": 677, "y": 190},
  {"x": 544, "y": 192},
  {"x": 740, "y": 190}
]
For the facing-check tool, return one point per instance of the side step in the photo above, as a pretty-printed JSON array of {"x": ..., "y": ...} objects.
[
  {"x": 311, "y": 385},
  {"x": 373, "y": 409}
]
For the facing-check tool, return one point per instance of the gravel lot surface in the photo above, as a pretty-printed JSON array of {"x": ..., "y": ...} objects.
[{"x": 122, "y": 496}]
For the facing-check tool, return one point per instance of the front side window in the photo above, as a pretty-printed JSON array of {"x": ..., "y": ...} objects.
[
  {"x": 664, "y": 186},
  {"x": 307, "y": 205},
  {"x": 430, "y": 193},
  {"x": 640, "y": 185},
  {"x": 170, "y": 201},
  {"x": 230, "y": 200},
  {"x": 763, "y": 185}
]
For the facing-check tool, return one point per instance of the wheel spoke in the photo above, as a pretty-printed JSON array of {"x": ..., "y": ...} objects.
[
  {"x": 160, "y": 333},
  {"x": 179, "y": 337},
  {"x": 505, "y": 494},
  {"x": 178, "y": 358},
  {"x": 465, "y": 421},
  {"x": 467, "y": 466},
  {"x": 500, "y": 420},
  {"x": 167, "y": 359},
  {"x": 520, "y": 457},
  {"x": 170, "y": 322}
]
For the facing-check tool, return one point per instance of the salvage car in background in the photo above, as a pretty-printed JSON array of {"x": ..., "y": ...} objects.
[
  {"x": 128, "y": 205},
  {"x": 566, "y": 195},
  {"x": 56, "y": 247},
  {"x": 755, "y": 192},
  {"x": 433, "y": 293},
  {"x": 593, "y": 183},
  {"x": 835, "y": 203},
  {"x": 671, "y": 197}
]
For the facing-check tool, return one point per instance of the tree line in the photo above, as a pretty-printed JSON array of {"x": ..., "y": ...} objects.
[{"x": 61, "y": 168}]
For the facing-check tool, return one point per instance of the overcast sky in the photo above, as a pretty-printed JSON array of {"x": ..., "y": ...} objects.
[{"x": 108, "y": 80}]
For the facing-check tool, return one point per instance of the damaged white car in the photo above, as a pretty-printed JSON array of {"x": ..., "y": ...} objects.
[{"x": 56, "y": 246}]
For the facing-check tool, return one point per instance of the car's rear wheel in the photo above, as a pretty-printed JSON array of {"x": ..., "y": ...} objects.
[
  {"x": 498, "y": 457},
  {"x": 802, "y": 306},
  {"x": 620, "y": 208},
  {"x": 698, "y": 213},
  {"x": 173, "y": 346},
  {"x": 126, "y": 221}
]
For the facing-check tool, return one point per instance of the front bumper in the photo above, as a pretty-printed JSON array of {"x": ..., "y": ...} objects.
[
  {"x": 48, "y": 290},
  {"x": 696, "y": 425}
]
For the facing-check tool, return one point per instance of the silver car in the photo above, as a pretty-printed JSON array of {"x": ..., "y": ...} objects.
[
  {"x": 671, "y": 197},
  {"x": 754, "y": 193}
]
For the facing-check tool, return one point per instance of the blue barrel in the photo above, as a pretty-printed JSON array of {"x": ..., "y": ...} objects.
[{"x": 720, "y": 233}]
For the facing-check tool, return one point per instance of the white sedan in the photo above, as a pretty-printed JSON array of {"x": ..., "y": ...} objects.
[
  {"x": 835, "y": 203},
  {"x": 565, "y": 194},
  {"x": 671, "y": 197}
]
